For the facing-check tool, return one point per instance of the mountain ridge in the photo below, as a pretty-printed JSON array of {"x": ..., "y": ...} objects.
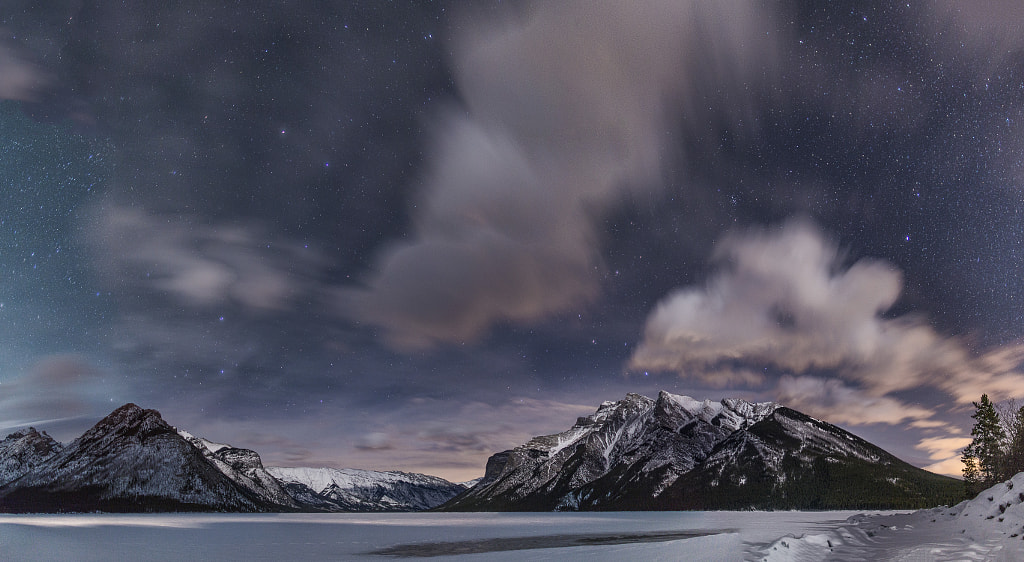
[
  {"x": 349, "y": 489},
  {"x": 675, "y": 452},
  {"x": 22, "y": 451},
  {"x": 638, "y": 453},
  {"x": 131, "y": 460},
  {"x": 134, "y": 461}
]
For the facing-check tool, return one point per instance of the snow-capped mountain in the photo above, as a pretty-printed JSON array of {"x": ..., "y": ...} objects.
[
  {"x": 245, "y": 468},
  {"x": 131, "y": 460},
  {"x": 365, "y": 490},
  {"x": 21, "y": 452},
  {"x": 675, "y": 452}
]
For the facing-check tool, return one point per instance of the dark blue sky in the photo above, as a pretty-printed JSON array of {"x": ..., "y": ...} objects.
[{"x": 409, "y": 235}]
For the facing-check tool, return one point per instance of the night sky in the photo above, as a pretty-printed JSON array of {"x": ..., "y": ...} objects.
[{"x": 407, "y": 235}]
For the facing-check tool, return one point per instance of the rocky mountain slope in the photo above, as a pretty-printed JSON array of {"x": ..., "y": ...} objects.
[
  {"x": 675, "y": 452},
  {"x": 21, "y": 452},
  {"x": 132, "y": 460},
  {"x": 245, "y": 468}
]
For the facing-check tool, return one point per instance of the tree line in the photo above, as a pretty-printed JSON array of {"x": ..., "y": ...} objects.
[{"x": 996, "y": 451}]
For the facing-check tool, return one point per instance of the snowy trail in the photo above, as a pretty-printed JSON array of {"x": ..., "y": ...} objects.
[{"x": 989, "y": 527}]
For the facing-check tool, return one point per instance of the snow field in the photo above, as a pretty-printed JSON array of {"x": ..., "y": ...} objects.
[
  {"x": 255, "y": 537},
  {"x": 989, "y": 527},
  {"x": 982, "y": 529}
]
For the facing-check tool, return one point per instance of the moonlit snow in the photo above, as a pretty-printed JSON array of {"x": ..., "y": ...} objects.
[
  {"x": 989, "y": 527},
  {"x": 982, "y": 529},
  {"x": 736, "y": 535}
]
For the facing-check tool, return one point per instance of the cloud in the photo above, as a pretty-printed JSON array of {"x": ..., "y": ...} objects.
[
  {"x": 55, "y": 390},
  {"x": 837, "y": 402},
  {"x": 779, "y": 301},
  {"x": 199, "y": 264},
  {"x": 19, "y": 79},
  {"x": 565, "y": 109},
  {"x": 996, "y": 373},
  {"x": 450, "y": 438},
  {"x": 947, "y": 451},
  {"x": 989, "y": 28},
  {"x": 784, "y": 299},
  {"x": 375, "y": 441}
]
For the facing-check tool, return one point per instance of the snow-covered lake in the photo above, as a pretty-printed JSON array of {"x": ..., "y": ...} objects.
[
  {"x": 940, "y": 534},
  {"x": 988, "y": 527},
  {"x": 482, "y": 536}
]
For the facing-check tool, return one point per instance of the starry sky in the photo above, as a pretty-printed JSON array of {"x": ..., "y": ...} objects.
[{"x": 407, "y": 235}]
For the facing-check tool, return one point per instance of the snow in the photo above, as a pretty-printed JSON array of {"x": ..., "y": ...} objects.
[
  {"x": 322, "y": 479},
  {"x": 568, "y": 438},
  {"x": 963, "y": 532},
  {"x": 367, "y": 490},
  {"x": 989, "y": 527},
  {"x": 725, "y": 536},
  {"x": 203, "y": 443}
]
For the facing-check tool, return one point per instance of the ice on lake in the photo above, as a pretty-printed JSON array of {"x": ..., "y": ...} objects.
[
  {"x": 988, "y": 527},
  {"x": 465, "y": 536}
]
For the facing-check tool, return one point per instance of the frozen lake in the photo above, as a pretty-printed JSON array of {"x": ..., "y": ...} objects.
[{"x": 440, "y": 536}]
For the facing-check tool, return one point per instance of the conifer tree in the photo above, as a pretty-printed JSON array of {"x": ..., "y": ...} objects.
[
  {"x": 971, "y": 477},
  {"x": 983, "y": 458}
]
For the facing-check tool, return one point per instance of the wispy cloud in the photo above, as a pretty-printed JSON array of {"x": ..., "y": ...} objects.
[
  {"x": 452, "y": 439},
  {"x": 55, "y": 392},
  {"x": 19, "y": 79},
  {"x": 198, "y": 263},
  {"x": 564, "y": 111},
  {"x": 832, "y": 400},
  {"x": 946, "y": 451},
  {"x": 987, "y": 27}
]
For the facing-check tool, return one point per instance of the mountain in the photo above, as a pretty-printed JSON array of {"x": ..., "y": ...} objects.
[
  {"x": 333, "y": 489},
  {"x": 21, "y": 452},
  {"x": 131, "y": 460},
  {"x": 245, "y": 468},
  {"x": 675, "y": 452}
]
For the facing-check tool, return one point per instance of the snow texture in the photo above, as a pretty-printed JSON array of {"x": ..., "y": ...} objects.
[
  {"x": 718, "y": 536},
  {"x": 988, "y": 527},
  {"x": 932, "y": 535}
]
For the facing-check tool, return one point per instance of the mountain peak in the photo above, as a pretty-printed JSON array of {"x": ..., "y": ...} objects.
[
  {"x": 31, "y": 434},
  {"x": 22, "y": 451},
  {"x": 132, "y": 460},
  {"x": 129, "y": 420},
  {"x": 132, "y": 410},
  {"x": 677, "y": 452}
]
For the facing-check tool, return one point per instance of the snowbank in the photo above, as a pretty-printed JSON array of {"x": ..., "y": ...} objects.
[{"x": 988, "y": 527}]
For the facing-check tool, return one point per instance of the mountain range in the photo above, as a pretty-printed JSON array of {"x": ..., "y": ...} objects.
[
  {"x": 638, "y": 453},
  {"x": 677, "y": 453},
  {"x": 132, "y": 460}
]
